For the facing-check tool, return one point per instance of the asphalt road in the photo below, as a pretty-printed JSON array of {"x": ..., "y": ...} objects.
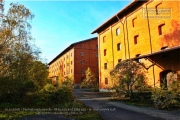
[{"x": 108, "y": 111}]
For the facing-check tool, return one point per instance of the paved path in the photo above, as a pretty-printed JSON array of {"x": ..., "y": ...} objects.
[{"x": 118, "y": 111}]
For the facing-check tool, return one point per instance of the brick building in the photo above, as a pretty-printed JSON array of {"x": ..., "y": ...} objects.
[
  {"x": 74, "y": 61},
  {"x": 146, "y": 31}
]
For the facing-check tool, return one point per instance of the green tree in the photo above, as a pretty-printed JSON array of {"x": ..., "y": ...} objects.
[
  {"x": 129, "y": 76},
  {"x": 16, "y": 49},
  {"x": 38, "y": 73},
  {"x": 18, "y": 56},
  {"x": 90, "y": 81}
]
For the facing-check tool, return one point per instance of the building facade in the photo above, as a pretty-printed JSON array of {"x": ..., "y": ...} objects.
[
  {"x": 74, "y": 61},
  {"x": 145, "y": 31}
]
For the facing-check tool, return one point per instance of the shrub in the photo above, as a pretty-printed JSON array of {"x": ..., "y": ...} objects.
[
  {"x": 129, "y": 76},
  {"x": 168, "y": 98},
  {"x": 90, "y": 81},
  {"x": 51, "y": 95},
  {"x": 13, "y": 91}
]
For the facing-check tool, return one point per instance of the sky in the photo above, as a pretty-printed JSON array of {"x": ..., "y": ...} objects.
[{"x": 59, "y": 23}]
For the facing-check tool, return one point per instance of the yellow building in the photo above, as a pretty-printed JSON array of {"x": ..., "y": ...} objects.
[{"x": 147, "y": 31}]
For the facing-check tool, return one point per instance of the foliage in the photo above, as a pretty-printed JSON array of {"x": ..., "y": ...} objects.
[
  {"x": 16, "y": 51},
  {"x": 129, "y": 76},
  {"x": 168, "y": 98},
  {"x": 90, "y": 80},
  {"x": 38, "y": 73},
  {"x": 20, "y": 71},
  {"x": 68, "y": 81},
  {"x": 13, "y": 91},
  {"x": 51, "y": 95}
]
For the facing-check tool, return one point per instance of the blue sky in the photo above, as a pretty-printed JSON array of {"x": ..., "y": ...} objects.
[{"x": 59, "y": 23}]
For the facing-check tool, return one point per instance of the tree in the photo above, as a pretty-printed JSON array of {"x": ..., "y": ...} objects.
[
  {"x": 15, "y": 48},
  {"x": 38, "y": 73},
  {"x": 90, "y": 80},
  {"x": 129, "y": 76}
]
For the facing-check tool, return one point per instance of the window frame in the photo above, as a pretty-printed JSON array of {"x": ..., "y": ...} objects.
[
  {"x": 160, "y": 32},
  {"x": 118, "y": 31},
  {"x": 118, "y": 46},
  {"x": 136, "y": 39}
]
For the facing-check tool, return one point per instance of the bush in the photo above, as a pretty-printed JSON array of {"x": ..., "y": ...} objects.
[
  {"x": 51, "y": 95},
  {"x": 142, "y": 97},
  {"x": 13, "y": 91},
  {"x": 166, "y": 99}
]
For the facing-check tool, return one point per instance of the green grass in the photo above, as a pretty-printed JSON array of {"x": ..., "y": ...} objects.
[{"x": 77, "y": 110}]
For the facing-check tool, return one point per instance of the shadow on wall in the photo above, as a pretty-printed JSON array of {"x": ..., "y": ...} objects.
[{"x": 172, "y": 38}]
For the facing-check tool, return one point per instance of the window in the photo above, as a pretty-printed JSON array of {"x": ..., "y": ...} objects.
[
  {"x": 82, "y": 61},
  {"x": 96, "y": 54},
  {"x": 105, "y": 52},
  {"x": 156, "y": 7},
  {"x": 135, "y": 39},
  {"x": 97, "y": 47},
  {"x": 71, "y": 70},
  {"x": 106, "y": 80},
  {"x": 164, "y": 47},
  {"x": 104, "y": 39},
  {"x": 105, "y": 65},
  {"x": 160, "y": 29},
  {"x": 82, "y": 53},
  {"x": 82, "y": 79},
  {"x": 67, "y": 64},
  {"x": 138, "y": 60},
  {"x": 119, "y": 60},
  {"x": 82, "y": 46},
  {"x": 117, "y": 31},
  {"x": 71, "y": 62},
  {"x": 118, "y": 46},
  {"x": 133, "y": 21},
  {"x": 82, "y": 71}
]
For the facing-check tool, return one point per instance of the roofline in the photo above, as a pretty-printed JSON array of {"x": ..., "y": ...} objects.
[
  {"x": 68, "y": 48},
  {"x": 116, "y": 15},
  {"x": 157, "y": 52}
]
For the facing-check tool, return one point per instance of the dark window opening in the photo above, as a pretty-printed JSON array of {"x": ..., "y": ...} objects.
[
  {"x": 135, "y": 39},
  {"x": 118, "y": 46},
  {"x": 106, "y": 80},
  {"x": 105, "y": 65},
  {"x": 160, "y": 29},
  {"x": 105, "y": 52}
]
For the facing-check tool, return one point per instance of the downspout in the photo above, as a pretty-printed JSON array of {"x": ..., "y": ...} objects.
[
  {"x": 99, "y": 61},
  {"x": 112, "y": 47},
  {"x": 150, "y": 40},
  {"x": 127, "y": 37},
  {"x": 124, "y": 35}
]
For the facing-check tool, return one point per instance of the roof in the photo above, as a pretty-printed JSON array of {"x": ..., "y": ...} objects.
[
  {"x": 157, "y": 52},
  {"x": 68, "y": 48},
  {"x": 128, "y": 9}
]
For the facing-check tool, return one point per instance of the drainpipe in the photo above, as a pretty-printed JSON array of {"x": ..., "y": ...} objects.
[
  {"x": 99, "y": 59},
  {"x": 127, "y": 37},
  {"x": 150, "y": 40},
  {"x": 112, "y": 47},
  {"x": 124, "y": 35}
]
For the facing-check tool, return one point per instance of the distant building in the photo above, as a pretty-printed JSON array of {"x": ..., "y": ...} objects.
[
  {"x": 146, "y": 31},
  {"x": 74, "y": 61}
]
